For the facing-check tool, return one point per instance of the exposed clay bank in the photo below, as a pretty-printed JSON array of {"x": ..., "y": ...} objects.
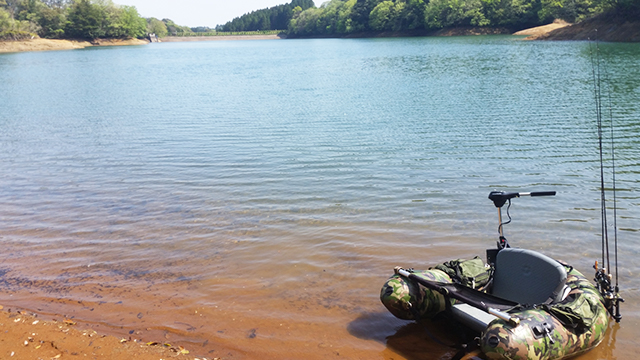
[{"x": 55, "y": 44}]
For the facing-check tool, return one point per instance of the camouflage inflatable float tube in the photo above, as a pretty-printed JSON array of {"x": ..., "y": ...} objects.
[{"x": 544, "y": 332}]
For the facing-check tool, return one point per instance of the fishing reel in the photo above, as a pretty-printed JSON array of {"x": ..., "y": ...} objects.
[{"x": 610, "y": 294}]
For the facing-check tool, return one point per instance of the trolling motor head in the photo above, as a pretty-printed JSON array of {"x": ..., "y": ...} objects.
[{"x": 500, "y": 198}]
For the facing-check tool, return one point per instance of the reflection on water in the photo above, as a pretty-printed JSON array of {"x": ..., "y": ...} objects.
[{"x": 250, "y": 198}]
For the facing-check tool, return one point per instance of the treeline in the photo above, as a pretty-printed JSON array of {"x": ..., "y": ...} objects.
[
  {"x": 274, "y": 18},
  {"x": 69, "y": 19},
  {"x": 351, "y": 16},
  {"x": 92, "y": 19},
  {"x": 166, "y": 27},
  {"x": 79, "y": 19}
]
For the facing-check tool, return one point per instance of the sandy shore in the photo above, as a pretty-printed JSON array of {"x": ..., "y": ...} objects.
[
  {"x": 53, "y": 44},
  {"x": 604, "y": 27},
  {"x": 542, "y": 30},
  {"x": 25, "y": 337}
]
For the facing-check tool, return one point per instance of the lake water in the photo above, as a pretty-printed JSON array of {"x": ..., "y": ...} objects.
[{"x": 248, "y": 199}]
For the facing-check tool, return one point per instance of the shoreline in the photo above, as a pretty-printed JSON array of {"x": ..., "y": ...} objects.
[
  {"x": 220, "y": 38},
  {"x": 59, "y": 44},
  {"x": 609, "y": 27},
  {"x": 535, "y": 32},
  {"x": 613, "y": 28},
  {"x": 71, "y": 44}
]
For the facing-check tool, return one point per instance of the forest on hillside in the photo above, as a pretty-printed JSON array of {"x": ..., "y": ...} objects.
[
  {"x": 340, "y": 17},
  {"x": 78, "y": 19},
  {"x": 274, "y": 18},
  {"x": 92, "y": 19}
]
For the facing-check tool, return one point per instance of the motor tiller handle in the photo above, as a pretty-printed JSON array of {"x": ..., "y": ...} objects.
[{"x": 499, "y": 198}]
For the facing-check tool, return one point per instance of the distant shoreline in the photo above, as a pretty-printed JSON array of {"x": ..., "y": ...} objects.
[
  {"x": 625, "y": 31},
  {"x": 220, "y": 37},
  {"x": 63, "y": 44}
]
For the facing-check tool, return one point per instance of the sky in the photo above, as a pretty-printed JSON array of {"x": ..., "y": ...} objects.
[{"x": 194, "y": 13}]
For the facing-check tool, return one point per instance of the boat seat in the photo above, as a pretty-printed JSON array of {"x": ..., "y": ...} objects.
[
  {"x": 522, "y": 276},
  {"x": 528, "y": 277}
]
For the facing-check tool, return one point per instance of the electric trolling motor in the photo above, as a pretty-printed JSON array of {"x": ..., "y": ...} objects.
[
  {"x": 499, "y": 198},
  {"x": 609, "y": 292}
]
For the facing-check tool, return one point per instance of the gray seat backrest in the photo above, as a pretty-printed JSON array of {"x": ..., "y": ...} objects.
[{"x": 528, "y": 277}]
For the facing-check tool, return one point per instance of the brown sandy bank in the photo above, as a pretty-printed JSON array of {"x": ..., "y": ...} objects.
[
  {"x": 544, "y": 29},
  {"x": 55, "y": 44},
  {"x": 605, "y": 27},
  {"x": 25, "y": 337}
]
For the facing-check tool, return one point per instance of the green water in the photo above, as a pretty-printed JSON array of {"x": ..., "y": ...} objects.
[{"x": 279, "y": 182}]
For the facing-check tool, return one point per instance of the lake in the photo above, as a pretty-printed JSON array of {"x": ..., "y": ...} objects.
[{"x": 248, "y": 199}]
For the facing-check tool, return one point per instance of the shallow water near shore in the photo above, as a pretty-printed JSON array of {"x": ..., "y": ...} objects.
[{"x": 248, "y": 199}]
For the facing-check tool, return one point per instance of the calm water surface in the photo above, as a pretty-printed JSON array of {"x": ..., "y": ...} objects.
[{"x": 250, "y": 198}]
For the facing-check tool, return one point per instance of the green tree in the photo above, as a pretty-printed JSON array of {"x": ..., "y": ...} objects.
[
  {"x": 49, "y": 19},
  {"x": 511, "y": 13},
  {"x": 175, "y": 29},
  {"x": 11, "y": 6},
  {"x": 52, "y": 22},
  {"x": 448, "y": 13},
  {"x": 124, "y": 22},
  {"x": 155, "y": 26},
  {"x": 412, "y": 16},
  {"x": 571, "y": 10},
  {"x": 382, "y": 16},
  {"x": 306, "y": 23},
  {"x": 11, "y": 29},
  {"x": 86, "y": 20},
  {"x": 345, "y": 23},
  {"x": 274, "y": 18},
  {"x": 361, "y": 11}
]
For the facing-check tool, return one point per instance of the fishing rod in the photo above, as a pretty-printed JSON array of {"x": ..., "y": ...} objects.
[{"x": 603, "y": 277}]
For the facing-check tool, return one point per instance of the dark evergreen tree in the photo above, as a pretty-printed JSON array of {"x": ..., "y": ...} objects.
[
  {"x": 274, "y": 18},
  {"x": 85, "y": 20}
]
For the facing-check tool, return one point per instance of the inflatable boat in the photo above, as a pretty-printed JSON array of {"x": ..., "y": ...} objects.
[{"x": 523, "y": 304}]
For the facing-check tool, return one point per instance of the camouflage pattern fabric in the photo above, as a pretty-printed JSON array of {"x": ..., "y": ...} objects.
[
  {"x": 503, "y": 341},
  {"x": 407, "y": 300}
]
